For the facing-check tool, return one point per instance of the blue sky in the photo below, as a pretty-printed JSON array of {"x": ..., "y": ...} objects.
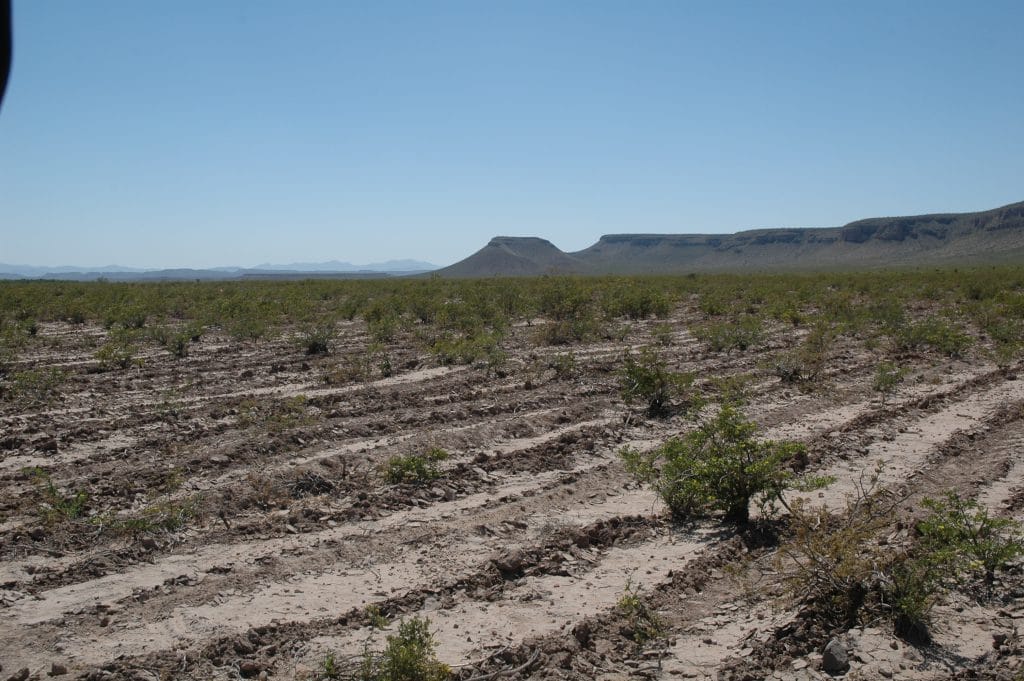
[{"x": 237, "y": 132}]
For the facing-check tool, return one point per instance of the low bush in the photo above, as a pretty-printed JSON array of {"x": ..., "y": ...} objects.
[
  {"x": 935, "y": 333},
  {"x": 408, "y": 655},
  {"x": 647, "y": 379},
  {"x": 719, "y": 467},
  {"x": 414, "y": 468},
  {"x": 735, "y": 334},
  {"x": 888, "y": 376},
  {"x": 642, "y": 623},
  {"x": 316, "y": 339}
]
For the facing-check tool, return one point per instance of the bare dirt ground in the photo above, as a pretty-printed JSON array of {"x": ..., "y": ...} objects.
[{"x": 519, "y": 553}]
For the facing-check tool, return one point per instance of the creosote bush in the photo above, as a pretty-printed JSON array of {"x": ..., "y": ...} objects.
[
  {"x": 408, "y": 655},
  {"x": 852, "y": 571},
  {"x": 719, "y": 467},
  {"x": 414, "y": 468},
  {"x": 647, "y": 379},
  {"x": 888, "y": 376}
]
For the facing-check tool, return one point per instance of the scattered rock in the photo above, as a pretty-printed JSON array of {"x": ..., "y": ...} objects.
[
  {"x": 243, "y": 647},
  {"x": 510, "y": 563},
  {"x": 583, "y": 633},
  {"x": 58, "y": 669},
  {"x": 835, "y": 660},
  {"x": 249, "y": 668},
  {"x": 20, "y": 675}
]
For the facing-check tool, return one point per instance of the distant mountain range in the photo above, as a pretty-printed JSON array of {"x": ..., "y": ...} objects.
[
  {"x": 333, "y": 268},
  {"x": 947, "y": 239},
  {"x": 944, "y": 239}
]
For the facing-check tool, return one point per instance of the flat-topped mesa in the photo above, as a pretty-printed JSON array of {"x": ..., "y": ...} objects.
[
  {"x": 987, "y": 237},
  {"x": 521, "y": 256}
]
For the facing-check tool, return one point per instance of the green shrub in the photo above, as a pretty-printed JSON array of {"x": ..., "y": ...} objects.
[
  {"x": 888, "y": 376},
  {"x": 805, "y": 364},
  {"x": 968, "y": 536},
  {"x": 414, "y": 468},
  {"x": 56, "y": 506},
  {"x": 935, "y": 333},
  {"x": 646, "y": 378},
  {"x": 408, "y": 655},
  {"x": 316, "y": 339},
  {"x": 642, "y": 623},
  {"x": 564, "y": 365},
  {"x": 119, "y": 351},
  {"x": 718, "y": 467},
  {"x": 34, "y": 387},
  {"x": 738, "y": 334}
]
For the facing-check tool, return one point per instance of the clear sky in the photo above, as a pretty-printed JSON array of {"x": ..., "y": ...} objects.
[{"x": 234, "y": 132}]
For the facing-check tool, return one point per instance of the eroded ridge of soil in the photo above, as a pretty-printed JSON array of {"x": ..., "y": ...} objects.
[{"x": 236, "y": 520}]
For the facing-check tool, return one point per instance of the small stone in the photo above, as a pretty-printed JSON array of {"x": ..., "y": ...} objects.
[
  {"x": 248, "y": 668},
  {"x": 243, "y": 647},
  {"x": 58, "y": 669},
  {"x": 998, "y": 640},
  {"x": 800, "y": 664},
  {"x": 263, "y": 676},
  {"x": 510, "y": 563},
  {"x": 104, "y": 621},
  {"x": 20, "y": 675},
  {"x": 835, "y": 660}
]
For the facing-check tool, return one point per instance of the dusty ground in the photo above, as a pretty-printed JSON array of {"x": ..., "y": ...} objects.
[{"x": 518, "y": 553}]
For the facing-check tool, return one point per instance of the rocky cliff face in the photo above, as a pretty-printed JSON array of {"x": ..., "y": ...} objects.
[{"x": 940, "y": 239}]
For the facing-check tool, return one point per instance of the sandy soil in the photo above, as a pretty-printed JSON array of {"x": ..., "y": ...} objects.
[{"x": 520, "y": 550}]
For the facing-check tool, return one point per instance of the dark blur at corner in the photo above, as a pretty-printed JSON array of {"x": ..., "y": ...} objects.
[{"x": 5, "y": 46}]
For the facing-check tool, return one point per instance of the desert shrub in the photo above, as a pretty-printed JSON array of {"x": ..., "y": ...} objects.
[
  {"x": 566, "y": 331},
  {"x": 56, "y": 506},
  {"x": 647, "y": 379},
  {"x": 251, "y": 328},
  {"x": 848, "y": 566},
  {"x": 415, "y": 468},
  {"x": 315, "y": 339},
  {"x": 127, "y": 316},
  {"x": 888, "y": 376},
  {"x": 734, "y": 334},
  {"x": 177, "y": 344},
  {"x": 564, "y": 365},
  {"x": 642, "y": 623},
  {"x": 409, "y": 655},
  {"x": 935, "y": 333},
  {"x": 662, "y": 334},
  {"x": 468, "y": 349},
  {"x": 971, "y": 538},
  {"x": 164, "y": 516},
  {"x": 384, "y": 329},
  {"x": 720, "y": 466},
  {"x": 805, "y": 364},
  {"x": 34, "y": 387},
  {"x": 119, "y": 351},
  {"x": 837, "y": 559},
  {"x": 636, "y": 301}
]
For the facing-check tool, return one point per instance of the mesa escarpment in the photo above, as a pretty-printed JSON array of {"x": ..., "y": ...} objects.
[{"x": 988, "y": 237}]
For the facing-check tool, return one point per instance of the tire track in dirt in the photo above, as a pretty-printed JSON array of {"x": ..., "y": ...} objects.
[{"x": 697, "y": 653}]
